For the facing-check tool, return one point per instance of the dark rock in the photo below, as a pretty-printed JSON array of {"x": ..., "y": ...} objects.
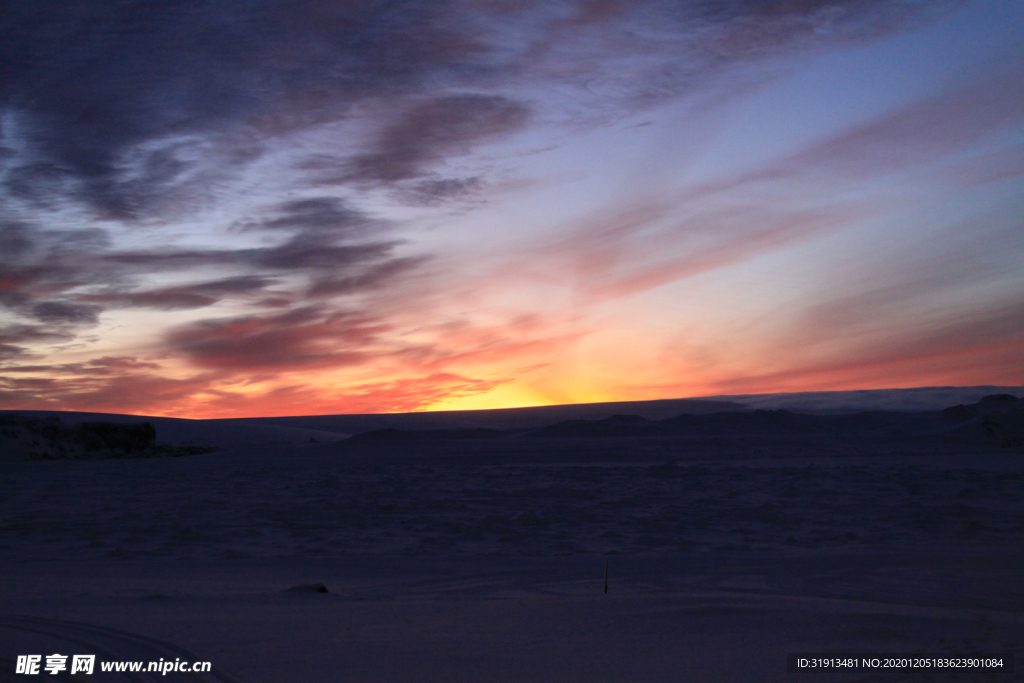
[
  {"x": 33, "y": 438},
  {"x": 309, "y": 588},
  {"x": 998, "y": 399},
  {"x": 959, "y": 413},
  {"x": 182, "y": 451},
  {"x": 95, "y": 436}
]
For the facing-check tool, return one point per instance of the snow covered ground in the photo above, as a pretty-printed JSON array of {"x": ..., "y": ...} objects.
[{"x": 483, "y": 559}]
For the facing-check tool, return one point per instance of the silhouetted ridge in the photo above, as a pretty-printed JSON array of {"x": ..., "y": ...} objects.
[
  {"x": 998, "y": 399},
  {"x": 959, "y": 413},
  {"x": 997, "y": 418},
  {"x": 721, "y": 424},
  {"x": 995, "y": 403},
  {"x": 431, "y": 434},
  {"x": 758, "y": 421},
  {"x": 614, "y": 425}
]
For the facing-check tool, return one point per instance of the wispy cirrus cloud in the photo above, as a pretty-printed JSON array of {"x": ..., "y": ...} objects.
[
  {"x": 303, "y": 337},
  {"x": 952, "y": 350},
  {"x": 432, "y": 130},
  {"x": 823, "y": 188},
  {"x": 198, "y": 295}
]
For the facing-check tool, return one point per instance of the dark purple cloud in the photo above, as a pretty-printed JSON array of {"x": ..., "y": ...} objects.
[
  {"x": 434, "y": 129},
  {"x": 87, "y": 82},
  {"x": 301, "y": 338},
  {"x": 42, "y": 272},
  {"x": 105, "y": 366},
  {"x": 315, "y": 215},
  {"x": 65, "y": 312},
  {"x": 304, "y": 253},
  {"x": 186, "y": 297},
  {"x": 11, "y": 335},
  {"x": 39, "y": 263},
  {"x": 106, "y": 384},
  {"x": 370, "y": 278}
]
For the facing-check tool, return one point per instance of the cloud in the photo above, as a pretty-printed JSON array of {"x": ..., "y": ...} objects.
[
  {"x": 434, "y": 191},
  {"x": 122, "y": 391},
  {"x": 372, "y": 277},
  {"x": 922, "y": 133},
  {"x": 158, "y": 102},
  {"x": 38, "y": 265},
  {"x": 66, "y": 279},
  {"x": 107, "y": 104},
  {"x": 404, "y": 394},
  {"x": 15, "y": 240},
  {"x": 461, "y": 342},
  {"x": 300, "y": 338},
  {"x": 29, "y": 252},
  {"x": 324, "y": 233},
  {"x": 315, "y": 215},
  {"x": 22, "y": 334},
  {"x": 164, "y": 136},
  {"x": 651, "y": 243},
  {"x": 714, "y": 224},
  {"x": 104, "y": 366},
  {"x": 147, "y": 70},
  {"x": 16, "y": 339},
  {"x": 939, "y": 135},
  {"x": 42, "y": 183},
  {"x": 312, "y": 253},
  {"x": 126, "y": 384},
  {"x": 411, "y": 394},
  {"x": 181, "y": 298},
  {"x": 434, "y": 129},
  {"x": 65, "y": 312},
  {"x": 307, "y": 249},
  {"x": 954, "y": 350},
  {"x": 10, "y": 351}
]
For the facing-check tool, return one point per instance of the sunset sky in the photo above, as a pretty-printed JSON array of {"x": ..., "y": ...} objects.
[{"x": 281, "y": 207}]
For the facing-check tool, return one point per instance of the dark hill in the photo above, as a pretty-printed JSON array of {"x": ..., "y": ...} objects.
[{"x": 25, "y": 437}]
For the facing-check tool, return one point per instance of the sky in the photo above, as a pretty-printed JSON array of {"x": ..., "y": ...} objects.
[{"x": 281, "y": 207}]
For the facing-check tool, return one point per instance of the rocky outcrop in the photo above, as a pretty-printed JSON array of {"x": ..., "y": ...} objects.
[
  {"x": 998, "y": 419},
  {"x": 309, "y": 588},
  {"x": 32, "y": 438}
]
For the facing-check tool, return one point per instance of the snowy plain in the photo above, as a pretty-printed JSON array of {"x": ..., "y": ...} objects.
[{"x": 474, "y": 546}]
